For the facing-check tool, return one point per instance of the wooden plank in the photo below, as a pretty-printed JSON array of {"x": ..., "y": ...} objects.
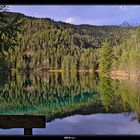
[{"x": 22, "y": 121}]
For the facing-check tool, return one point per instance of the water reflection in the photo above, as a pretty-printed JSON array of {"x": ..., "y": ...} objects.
[
  {"x": 52, "y": 94},
  {"x": 97, "y": 124},
  {"x": 59, "y": 95}
]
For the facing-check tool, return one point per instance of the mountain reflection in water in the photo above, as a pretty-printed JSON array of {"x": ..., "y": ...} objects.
[{"x": 73, "y": 103}]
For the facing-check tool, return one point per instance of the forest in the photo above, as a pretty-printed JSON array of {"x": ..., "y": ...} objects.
[{"x": 42, "y": 44}]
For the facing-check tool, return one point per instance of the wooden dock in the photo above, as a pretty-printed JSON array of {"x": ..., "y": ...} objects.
[{"x": 28, "y": 122}]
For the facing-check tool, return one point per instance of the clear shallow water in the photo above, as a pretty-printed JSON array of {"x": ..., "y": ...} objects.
[{"x": 74, "y": 104}]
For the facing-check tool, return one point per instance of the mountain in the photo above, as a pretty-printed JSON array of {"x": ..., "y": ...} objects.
[
  {"x": 88, "y": 35},
  {"x": 130, "y": 24},
  {"x": 126, "y": 24},
  {"x": 46, "y": 44}
]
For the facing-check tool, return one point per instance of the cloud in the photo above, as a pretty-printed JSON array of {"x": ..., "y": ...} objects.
[
  {"x": 69, "y": 20},
  {"x": 138, "y": 6},
  {"x": 123, "y": 7}
]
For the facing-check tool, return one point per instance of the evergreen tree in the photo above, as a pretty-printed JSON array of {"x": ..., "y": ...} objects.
[{"x": 106, "y": 58}]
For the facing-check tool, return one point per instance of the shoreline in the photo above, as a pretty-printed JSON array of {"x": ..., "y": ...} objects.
[
  {"x": 59, "y": 70},
  {"x": 122, "y": 75},
  {"x": 117, "y": 74}
]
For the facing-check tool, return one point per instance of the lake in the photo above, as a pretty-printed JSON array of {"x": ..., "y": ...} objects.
[{"x": 74, "y": 103}]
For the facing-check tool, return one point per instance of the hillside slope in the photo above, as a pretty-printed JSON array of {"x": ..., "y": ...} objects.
[{"x": 46, "y": 44}]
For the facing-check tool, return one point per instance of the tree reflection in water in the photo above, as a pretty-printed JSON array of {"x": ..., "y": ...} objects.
[{"x": 57, "y": 95}]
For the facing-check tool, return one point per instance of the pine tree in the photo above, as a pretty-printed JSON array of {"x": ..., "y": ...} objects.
[{"x": 106, "y": 58}]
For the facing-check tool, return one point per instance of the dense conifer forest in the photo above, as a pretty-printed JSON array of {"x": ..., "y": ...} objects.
[{"x": 45, "y": 44}]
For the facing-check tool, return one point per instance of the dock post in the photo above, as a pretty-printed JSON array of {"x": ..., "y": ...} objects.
[{"x": 27, "y": 131}]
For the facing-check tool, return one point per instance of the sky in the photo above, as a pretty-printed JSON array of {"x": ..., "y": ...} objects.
[{"x": 83, "y": 14}]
